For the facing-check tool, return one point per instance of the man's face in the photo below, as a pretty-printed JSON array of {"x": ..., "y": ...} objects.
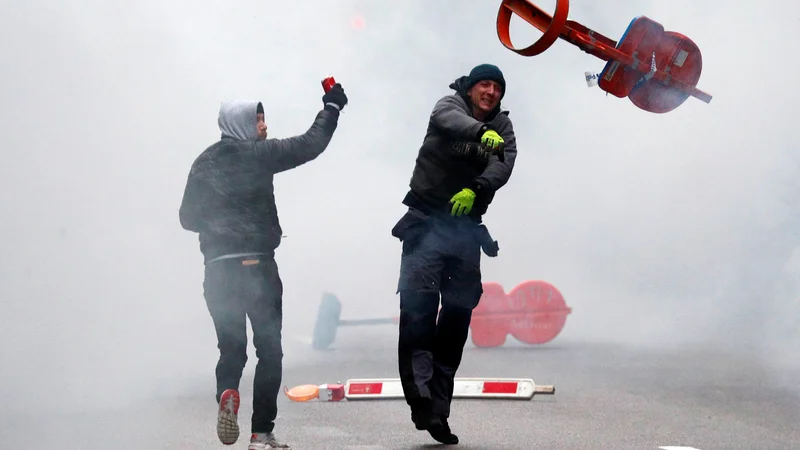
[
  {"x": 261, "y": 126},
  {"x": 485, "y": 95}
]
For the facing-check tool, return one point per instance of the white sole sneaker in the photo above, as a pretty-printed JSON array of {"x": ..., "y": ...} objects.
[
  {"x": 228, "y": 417},
  {"x": 265, "y": 442}
]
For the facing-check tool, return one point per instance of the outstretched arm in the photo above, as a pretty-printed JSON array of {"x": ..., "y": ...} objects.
[
  {"x": 279, "y": 155},
  {"x": 449, "y": 116}
]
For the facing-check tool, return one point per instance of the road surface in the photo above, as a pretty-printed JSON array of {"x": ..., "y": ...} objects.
[{"x": 607, "y": 397}]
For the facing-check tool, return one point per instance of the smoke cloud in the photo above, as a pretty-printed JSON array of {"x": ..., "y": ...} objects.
[{"x": 660, "y": 230}]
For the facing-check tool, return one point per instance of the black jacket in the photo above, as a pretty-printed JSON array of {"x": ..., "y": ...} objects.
[
  {"x": 447, "y": 161},
  {"x": 229, "y": 195}
]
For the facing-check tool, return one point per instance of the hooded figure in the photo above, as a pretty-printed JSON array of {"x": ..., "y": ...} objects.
[
  {"x": 238, "y": 119},
  {"x": 229, "y": 201},
  {"x": 457, "y": 173}
]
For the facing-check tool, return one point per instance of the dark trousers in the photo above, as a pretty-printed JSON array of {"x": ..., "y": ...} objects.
[
  {"x": 235, "y": 289},
  {"x": 440, "y": 260}
]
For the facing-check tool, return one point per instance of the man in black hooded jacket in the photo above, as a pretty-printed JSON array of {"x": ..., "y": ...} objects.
[
  {"x": 468, "y": 154},
  {"x": 229, "y": 200}
]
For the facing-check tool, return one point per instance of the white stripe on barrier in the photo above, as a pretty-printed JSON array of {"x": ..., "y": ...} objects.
[{"x": 507, "y": 388}]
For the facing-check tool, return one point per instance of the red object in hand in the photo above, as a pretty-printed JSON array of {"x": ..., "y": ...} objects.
[{"x": 327, "y": 83}]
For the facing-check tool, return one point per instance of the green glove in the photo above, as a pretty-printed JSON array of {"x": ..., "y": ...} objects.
[
  {"x": 492, "y": 140},
  {"x": 462, "y": 202}
]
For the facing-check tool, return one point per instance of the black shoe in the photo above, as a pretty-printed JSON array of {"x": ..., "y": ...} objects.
[
  {"x": 439, "y": 429},
  {"x": 421, "y": 414},
  {"x": 422, "y": 420}
]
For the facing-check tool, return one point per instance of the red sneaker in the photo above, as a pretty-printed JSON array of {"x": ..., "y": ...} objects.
[{"x": 227, "y": 420}]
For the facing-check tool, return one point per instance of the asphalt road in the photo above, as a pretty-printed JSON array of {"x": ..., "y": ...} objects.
[{"x": 607, "y": 397}]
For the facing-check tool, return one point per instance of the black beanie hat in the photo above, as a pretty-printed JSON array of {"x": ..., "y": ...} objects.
[{"x": 486, "y": 72}]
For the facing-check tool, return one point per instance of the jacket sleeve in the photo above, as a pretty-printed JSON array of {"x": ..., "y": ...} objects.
[
  {"x": 279, "y": 155},
  {"x": 449, "y": 116},
  {"x": 497, "y": 173}
]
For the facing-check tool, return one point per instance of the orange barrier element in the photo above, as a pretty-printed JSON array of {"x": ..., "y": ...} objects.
[
  {"x": 656, "y": 69},
  {"x": 308, "y": 392}
]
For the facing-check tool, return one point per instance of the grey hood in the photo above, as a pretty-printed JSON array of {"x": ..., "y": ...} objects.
[{"x": 237, "y": 119}]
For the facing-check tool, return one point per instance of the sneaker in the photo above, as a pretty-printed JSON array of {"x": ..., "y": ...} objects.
[
  {"x": 264, "y": 441},
  {"x": 227, "y": 419}
]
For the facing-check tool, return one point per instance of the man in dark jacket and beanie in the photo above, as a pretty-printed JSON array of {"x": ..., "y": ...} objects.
[
  {"x": 229, "y": 201},
  {"x": 467, "y": 155}
]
